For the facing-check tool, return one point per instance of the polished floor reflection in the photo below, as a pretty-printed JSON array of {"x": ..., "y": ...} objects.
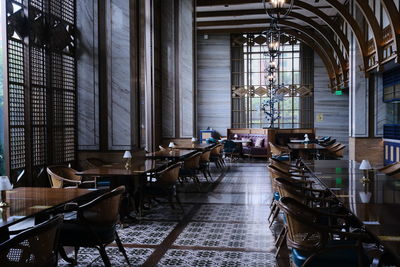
[{"x": 223, "y": 225}]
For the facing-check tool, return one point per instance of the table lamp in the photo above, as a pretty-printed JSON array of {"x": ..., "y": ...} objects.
[
  {"x": 235, "y": 136},
  {"x": 4, "y": 185},
  {"x": 171, "y": 145},
  {"x": 365, "y": 166},
  {"x": 306, "y": 139},
  {"x": 194, "y": 139},
  {"x": 128, "y": 157}
]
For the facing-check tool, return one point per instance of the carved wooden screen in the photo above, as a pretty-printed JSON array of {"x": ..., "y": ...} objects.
[{"x": 41, "y": 84}]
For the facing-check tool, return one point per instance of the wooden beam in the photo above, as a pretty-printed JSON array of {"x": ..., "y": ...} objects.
[
  {"x": 394, "y": 17},
  {"x": 225, "y": 2},
  {"x": 325, "y": 18},
  {"x": 354, "y": 27},
  {"x": 376, "y": 28}
]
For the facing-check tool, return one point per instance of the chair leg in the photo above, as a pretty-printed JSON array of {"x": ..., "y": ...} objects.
[
  {"x": 209, "y": 174},
  {"x": 64, "y": 256},
  {"x": 104, "y": 256},
  {"x": 179, "y": 202},
  {"x": 277, "y": 210},
  {"x": 121, "y": 247},
  {"x": 272, "y": 211},
  {"x": 205, "y": 175},
  {"x": 279, "y": 244}
]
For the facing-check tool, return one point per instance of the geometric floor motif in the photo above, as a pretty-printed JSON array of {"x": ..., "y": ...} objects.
[
  {"x": 232, "y": 213},
  {"x": 227, "y": 235},
  {"x": 146, "y": 232},
  {"x": 242, "y": 188},
  {"x": 176, "y": 257},
  {"x": 91, "y": 257}
]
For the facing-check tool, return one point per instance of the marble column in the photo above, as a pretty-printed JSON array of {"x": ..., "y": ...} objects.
[
  {"x": 118, "y": 75},
  {"x": 87, "y": 72},
  {"x": 177, "y": 69}
]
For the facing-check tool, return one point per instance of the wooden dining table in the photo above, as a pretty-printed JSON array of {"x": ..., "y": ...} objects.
[
  {"x": 171, "y": 154},
  {"x": 375, "y": 201},
  {"x": 38, "y": 202},
  {"x": 133, "y": 178},
  {"x": 195, "y": 146},
  {"x": 304, "y": 150}
]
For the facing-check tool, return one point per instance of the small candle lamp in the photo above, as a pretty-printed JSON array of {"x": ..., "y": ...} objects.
[
  {"x": 194, "y": 140},
  {"x": 365, "y": 166},
  {"x": 128, "y": 157},
  {"x": 4, "y": 185}
]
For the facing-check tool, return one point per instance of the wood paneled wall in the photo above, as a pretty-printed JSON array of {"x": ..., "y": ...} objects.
[{"x": 214, "y": 82}]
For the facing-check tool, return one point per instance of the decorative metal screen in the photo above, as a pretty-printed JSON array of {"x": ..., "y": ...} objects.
[{"x": 41, "y": 83}]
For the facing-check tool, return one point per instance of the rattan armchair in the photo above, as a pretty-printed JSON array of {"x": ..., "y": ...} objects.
[
  {"x": 95, "y": 226},
  {"x": 37, "y": 246},
  {"x": 190, "y": 168},
  {"x": 165, "y": 185},
  {"x": 279, "y": 152},
  {"x": 314, "y": 243},
  {"x": 217, "y": 157},
  {"x": 65, "y": 177},
  {"x": 205, "y": 164},
  {"x": 391, "y": 169}
]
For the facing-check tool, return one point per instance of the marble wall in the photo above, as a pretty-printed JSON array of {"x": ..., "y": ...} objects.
[
  {"x": 168, "y": 106},
  {"x": 214, "y": 82},
  {"x": 118, "y": 75},
  {"x": 331, "y": 112},
  {"x": 177, "y": 69},
  {"x": 87, "y": 71},
  {"x": 186, "y": 90}
]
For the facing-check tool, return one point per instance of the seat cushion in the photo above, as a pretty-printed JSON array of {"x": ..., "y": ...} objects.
[
  {"x": 282, "y": 158},
  {"x": 346, "y": 257},
  {"x": 75, "y": 233}
]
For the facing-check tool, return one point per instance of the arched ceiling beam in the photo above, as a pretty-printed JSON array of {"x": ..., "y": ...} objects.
[
  {"x": 325, "y": 18},
  {"x": 340, "y": 8},
  {"x": 318, "y": 49},
  {"x": 317, "y": 38},
  {"x": 327, "y": 37},
  {"x": 394, "y": 17},
  {"x": 376, "y": 28}
]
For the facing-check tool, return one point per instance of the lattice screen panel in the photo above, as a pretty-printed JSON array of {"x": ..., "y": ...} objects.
[{"x": 41, "y": 83}]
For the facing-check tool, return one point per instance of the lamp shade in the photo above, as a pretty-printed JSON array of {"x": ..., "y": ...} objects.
[
  {"x": 235, "y": 136},
  {"x": 127, "y": 155},
  {"x": 171, "y": 145},
  {"x": 5, "y": 183},
  {"x": 194, "y": 139},
  {"x": 365, "y": 165}
]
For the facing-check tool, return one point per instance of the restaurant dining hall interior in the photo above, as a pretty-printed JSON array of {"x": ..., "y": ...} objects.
[{"x": 200, "y": 133}]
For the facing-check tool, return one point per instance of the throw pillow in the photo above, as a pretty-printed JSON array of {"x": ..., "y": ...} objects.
[
  {"x": 247, "y": 142},
  {"x": 259, "y": 142}
]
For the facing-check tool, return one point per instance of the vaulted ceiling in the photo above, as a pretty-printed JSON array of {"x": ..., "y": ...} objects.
[{"x": 321, "y": 24}]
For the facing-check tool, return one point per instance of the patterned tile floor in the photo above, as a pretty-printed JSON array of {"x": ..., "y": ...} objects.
[{"x": 225, "y": 224}]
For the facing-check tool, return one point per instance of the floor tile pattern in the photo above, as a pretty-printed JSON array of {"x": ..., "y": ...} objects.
[
  {"x": 91, "y": 257},
  {"x": 176, "y": 257},
  {"x": 226, "y": 235},
  {"x": 146, "y": 232},
  {"x": 224, "y": 224}
]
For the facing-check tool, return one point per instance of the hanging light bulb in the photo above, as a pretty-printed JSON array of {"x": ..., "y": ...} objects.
[{"x": 278, "y": 8}]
